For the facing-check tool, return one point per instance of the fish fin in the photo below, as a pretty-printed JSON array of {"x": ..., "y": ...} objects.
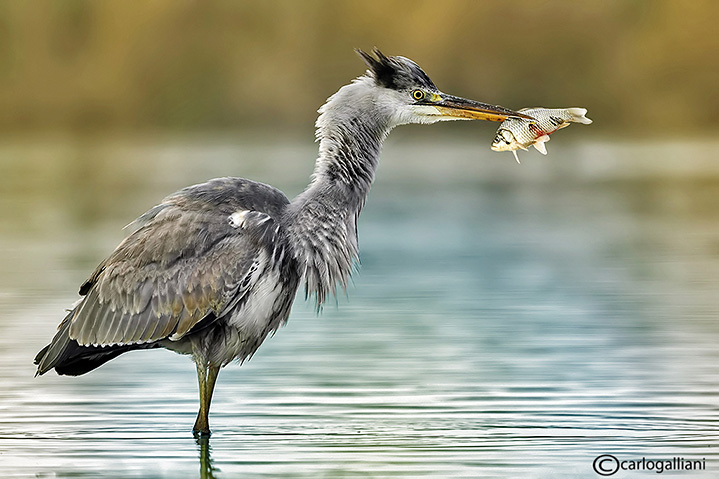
[
  {"x": 516, "y": 156},
  {"x": 578, "y": 115},
  {"x": 539, "y": 144}
]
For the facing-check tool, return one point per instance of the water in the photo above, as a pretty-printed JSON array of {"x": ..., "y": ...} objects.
[{"x": 515, "y": 323}]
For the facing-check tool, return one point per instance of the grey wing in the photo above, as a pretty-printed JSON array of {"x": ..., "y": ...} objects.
[{"x": 183, "y": 265}]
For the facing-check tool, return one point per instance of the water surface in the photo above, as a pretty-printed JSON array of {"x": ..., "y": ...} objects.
[{"x": 513, "y": 321}]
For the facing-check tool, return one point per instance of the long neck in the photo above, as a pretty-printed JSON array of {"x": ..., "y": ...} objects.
[
  {"x": 322, "y": 220},
  {"x": 348, "y": 157}
]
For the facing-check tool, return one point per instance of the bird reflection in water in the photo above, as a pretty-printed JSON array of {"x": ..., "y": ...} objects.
[{"x": 207, "y": 470}]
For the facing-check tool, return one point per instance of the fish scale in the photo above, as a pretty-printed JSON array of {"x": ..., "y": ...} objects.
[{"x": 516, "y": 133}]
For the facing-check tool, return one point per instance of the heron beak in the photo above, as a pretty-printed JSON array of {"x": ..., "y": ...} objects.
[{"x": 456, "y": 107}]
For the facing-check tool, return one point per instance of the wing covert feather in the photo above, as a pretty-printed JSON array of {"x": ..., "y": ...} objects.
[{"x": 184, "y": 262}]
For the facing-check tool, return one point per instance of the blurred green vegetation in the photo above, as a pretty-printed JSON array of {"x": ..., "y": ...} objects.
[{"x": 640, "y": 66}]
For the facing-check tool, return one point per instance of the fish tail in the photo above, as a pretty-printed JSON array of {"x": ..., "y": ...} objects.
[{"x": 578, "y": 115}]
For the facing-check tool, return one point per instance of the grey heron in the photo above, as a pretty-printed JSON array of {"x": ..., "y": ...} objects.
[{"x": 214, "y": 268}]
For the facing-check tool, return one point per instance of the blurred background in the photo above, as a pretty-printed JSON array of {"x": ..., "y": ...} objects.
[
  {"x": 644, "y": 67},
  {"x": 508, "y": 320}
]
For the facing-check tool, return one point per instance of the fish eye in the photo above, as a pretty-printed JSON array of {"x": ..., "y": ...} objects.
[
  {"x": 418, "y": 95},
  {"x": 508, "y": 136}
]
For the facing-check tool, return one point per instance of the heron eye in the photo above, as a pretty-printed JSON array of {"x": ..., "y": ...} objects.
[{"x": 418, "y": 95}]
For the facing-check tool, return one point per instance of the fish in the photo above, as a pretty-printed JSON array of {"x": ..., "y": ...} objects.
[{"x": 516, "y": 133}]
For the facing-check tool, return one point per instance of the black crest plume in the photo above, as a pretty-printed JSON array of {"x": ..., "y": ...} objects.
[{"x": 395, "y": 72}]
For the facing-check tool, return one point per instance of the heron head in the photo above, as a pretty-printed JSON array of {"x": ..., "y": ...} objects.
[{"x": 415, "y": 98}]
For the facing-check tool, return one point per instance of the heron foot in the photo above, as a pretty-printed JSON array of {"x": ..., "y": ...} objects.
[{"x": 201, "y": 433}]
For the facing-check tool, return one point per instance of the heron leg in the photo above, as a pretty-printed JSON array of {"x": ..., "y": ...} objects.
[{"x": 206, "y": 377}]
